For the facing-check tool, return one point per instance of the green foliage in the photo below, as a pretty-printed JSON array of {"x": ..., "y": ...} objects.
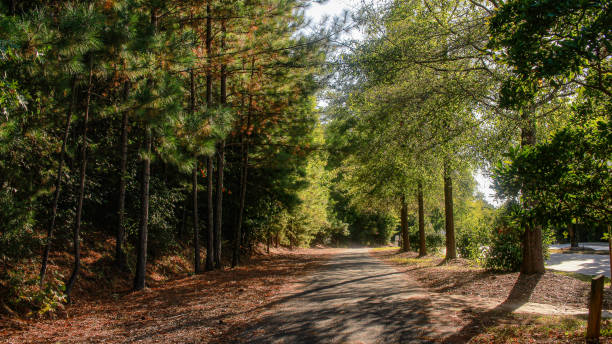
[
  {"x": 505, "y": 253},
  {"x": 26, "y": 296},
  {"x": 505, "y": 250},
  {"x": 567, "y": 177},
  {"x": 473, "y": 226},
  {"x": 163, "y": 219},
  {"x": 17, "y": 238},
  {"x": 555, "y": 41}
]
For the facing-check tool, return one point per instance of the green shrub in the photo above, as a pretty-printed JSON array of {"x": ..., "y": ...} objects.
[
  {"x": 17, "y": 239},
  {"x": 505, "y": 251},
  {"x": 434, "y": 241},
  {"x": 25, "y": 296},
  {"x": 472, "y": 242}
]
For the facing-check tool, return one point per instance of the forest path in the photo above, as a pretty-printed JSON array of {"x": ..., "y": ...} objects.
[{"x": 356, "y": 298}]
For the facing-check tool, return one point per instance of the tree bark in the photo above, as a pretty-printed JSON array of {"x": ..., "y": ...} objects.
[
  {"x": 243, "y": 189},
  {"x": 79, "y": 211},
  {"x": 533, "y": 257},
  {"x": 196, "y": 231},
  {"x": 210, "y": 246},
  {"x": 120, "y": 255},
  {"x": 210, "y": 250},
  {"x": 404, "y": 225},
  {"x": 451, "y": 248},
  {"x": 143, "y": 230},
  {"x": 58, "y": 185},
  {"x": 181, "y": 233},
  {"x": 243, "y": 176},
  {"x": 220, "y": 166},
  {"x": 572, "y": 235},
  {"x": 422, "y": 246}
]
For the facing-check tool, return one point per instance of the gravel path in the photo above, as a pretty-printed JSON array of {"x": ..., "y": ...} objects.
[{"x": 355, "y": 298}]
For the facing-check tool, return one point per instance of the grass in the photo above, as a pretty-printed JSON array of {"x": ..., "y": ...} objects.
[
  {"x": 413, "y": 261},
  {"x": 385, "y": 248},
  {"x": 530, "y": 328}
]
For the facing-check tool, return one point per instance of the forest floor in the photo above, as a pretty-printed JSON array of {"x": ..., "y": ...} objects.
[
  {"x": 550, "y": 307},
  {"x": 187, "y": 309}
]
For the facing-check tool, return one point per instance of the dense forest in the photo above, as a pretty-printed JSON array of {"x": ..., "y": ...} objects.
[{"x": 214, "y": 130}]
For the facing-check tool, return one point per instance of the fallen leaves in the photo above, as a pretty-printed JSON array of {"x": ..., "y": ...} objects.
[{"x": 201, "y": 308}]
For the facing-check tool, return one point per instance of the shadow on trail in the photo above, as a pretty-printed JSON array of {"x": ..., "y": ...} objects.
[
  {"x": 519, "y": 295},
  {"x": 354, "y": 299}
]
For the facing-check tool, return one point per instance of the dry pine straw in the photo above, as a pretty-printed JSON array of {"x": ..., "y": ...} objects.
[
  {"x": 459, "y": 277},
  {"x": 197, "y": 309}
]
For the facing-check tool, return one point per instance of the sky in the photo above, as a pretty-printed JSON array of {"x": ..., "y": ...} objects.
[
  {"x": 330, "y": 8},
  {"x": 333, "y": 8}
]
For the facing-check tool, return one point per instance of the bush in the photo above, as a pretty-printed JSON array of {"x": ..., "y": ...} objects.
[
  {"x": 433, "y": 240},
  {"x": 505, "y": 252},
  {"x": 473, "y": 242},
  {"x": 17, "y": 238},
  {"x": 163, "y": 220},
  {"x": 25, "y": 296}
]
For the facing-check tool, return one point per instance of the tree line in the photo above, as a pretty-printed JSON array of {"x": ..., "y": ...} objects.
[
  {"x": 438, "y": 90},
  {"x": 117, "y": 115}
]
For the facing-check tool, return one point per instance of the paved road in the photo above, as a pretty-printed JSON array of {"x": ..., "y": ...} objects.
[
  {"x": 354, "y": 298},
  {"x": 597, "y": 246},
  {"x": 588, "y": 264}
]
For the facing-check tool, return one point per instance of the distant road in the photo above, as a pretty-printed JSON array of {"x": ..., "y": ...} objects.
[
  {"x": 588, "y": 264},
  {"x": 597, "y": 246}
]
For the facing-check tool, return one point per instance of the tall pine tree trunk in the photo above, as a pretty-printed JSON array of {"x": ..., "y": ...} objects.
[
  {"x": 143, "y": 230},
  {"x": 120, "y": 255},
  {"x": 404, "y": 225},
  {"x": 451, "y": 248},
  {"x": 210, "y": 245},
  {"x": 243, "y": 176},
  {"x": 220, "y": 165},
  {"x": 210, "y": 250},
  {"x": 58, "y": 186},
  {"x": 196, "y": 231},
  {"x": 219, "y": 205},
  {"x": 243, "y": 189},
  {"x": 533, "y": 257},
  {"x": 422, "y": 247},
  {"x": 181, "y": 231},
  {"x": 79, "y": 210}
]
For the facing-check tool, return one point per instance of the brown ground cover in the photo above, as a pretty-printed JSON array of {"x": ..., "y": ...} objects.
[
  {"x": 199, "y": 308},
  {"x": 461, "y": 277}
]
